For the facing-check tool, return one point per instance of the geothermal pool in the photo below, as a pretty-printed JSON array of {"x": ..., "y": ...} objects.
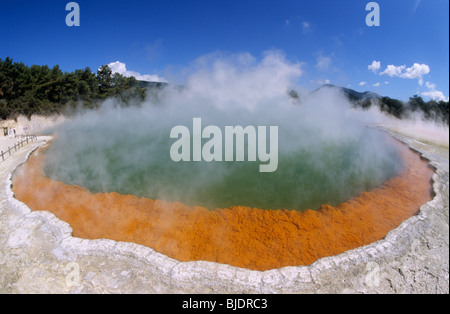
[
  {"x": 274, "y": 229},
  {"x": 306, "y": 177}
]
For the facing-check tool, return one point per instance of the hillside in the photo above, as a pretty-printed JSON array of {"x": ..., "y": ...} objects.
[{"x": 431, "y": 110}]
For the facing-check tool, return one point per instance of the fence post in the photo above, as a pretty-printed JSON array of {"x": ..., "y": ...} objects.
[{"x": 18, "y": 145}]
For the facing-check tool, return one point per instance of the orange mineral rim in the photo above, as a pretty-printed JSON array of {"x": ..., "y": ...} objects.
[{"x": 239, "y": 236}]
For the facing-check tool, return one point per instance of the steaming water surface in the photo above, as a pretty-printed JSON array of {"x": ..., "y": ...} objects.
[{"x": 139, "y": 164}]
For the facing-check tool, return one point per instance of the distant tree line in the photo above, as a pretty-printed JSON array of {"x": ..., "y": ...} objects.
[
  {"x": 41, "y": 90},
  {"x": 437, "y": 111}
]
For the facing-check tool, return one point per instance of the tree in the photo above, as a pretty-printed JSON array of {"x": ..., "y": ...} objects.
[
  {"x": 392, "y": 106},
  {"x": 416, "y": 103},
  {"x": 41, "y": 90},
  {"x": 444, "y": 111},
  {"x": 104, "y": 77}
]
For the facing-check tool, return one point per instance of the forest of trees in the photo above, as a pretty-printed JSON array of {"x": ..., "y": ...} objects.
[
  {"x": 39, "y": 90},
  {"x": 44, "y": 91},
  {"x": 432, "y": 110}
]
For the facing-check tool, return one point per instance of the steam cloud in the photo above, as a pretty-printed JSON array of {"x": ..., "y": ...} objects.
[{"x": 321, "y": 138}]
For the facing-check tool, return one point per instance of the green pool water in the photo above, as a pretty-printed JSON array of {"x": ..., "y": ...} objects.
[{"x": 307, "y": 177}]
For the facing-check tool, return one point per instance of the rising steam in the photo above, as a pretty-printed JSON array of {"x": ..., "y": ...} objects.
[{"x": 327, "y": 154}]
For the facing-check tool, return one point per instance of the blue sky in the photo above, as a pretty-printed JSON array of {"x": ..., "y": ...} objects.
[{"x": 163, "y": 37}]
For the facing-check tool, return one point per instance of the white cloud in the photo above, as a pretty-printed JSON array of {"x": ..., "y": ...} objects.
[
  {"x": 417, "y": 71},
  {"x": 320, "y": 82},
  {"x": 416, "y": 5},
  {"x": 323, "y": 63},
  {"x": 434, "y": 94},
  {"x": 386, "y": 83},
  {"x": 393, "y": 70},
  {"x": 430, "y": 85},
  {"x": 119, "y": 67},
  {"x": 375, "y": 66},
  {"x": 377, "y": 84},
  {"x": 362, "y": 83},
  {"x": 306, "y": 27}
]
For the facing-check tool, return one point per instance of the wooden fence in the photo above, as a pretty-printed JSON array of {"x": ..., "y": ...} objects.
[{"x": 17, "y": 146}]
